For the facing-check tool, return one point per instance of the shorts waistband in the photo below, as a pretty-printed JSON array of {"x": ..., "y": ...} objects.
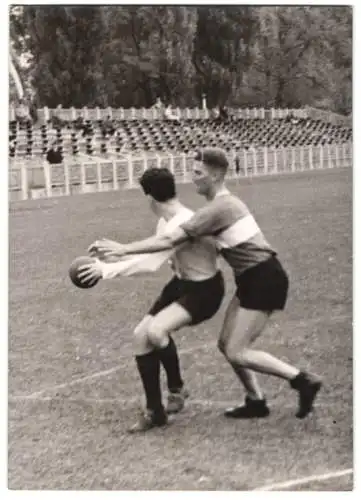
[{"x": 218, "y": 274}]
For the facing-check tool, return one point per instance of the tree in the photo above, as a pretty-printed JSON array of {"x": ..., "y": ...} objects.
[
  {"x": 294, "y": 62},
  {"x": 239, "y": 55},
  {"x": 222, "y": 51},
  {"x": 64, "y": 42}
]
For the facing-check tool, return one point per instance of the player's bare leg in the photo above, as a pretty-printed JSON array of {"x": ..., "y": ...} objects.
[
  {"x": 254, "y": 394},
  {"x": 241, "y": 329},
  {"x": 247, "y": 377}
]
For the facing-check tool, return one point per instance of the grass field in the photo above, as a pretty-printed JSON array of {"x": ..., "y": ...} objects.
[{"x": 73, "y": 386}]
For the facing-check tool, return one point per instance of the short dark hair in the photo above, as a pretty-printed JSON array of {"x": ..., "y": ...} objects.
[
  {"x": 213, "y": 157},
  {"x": 159, "y": 183}
]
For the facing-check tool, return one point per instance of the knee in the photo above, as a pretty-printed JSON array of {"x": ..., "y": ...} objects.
[
  {"x": 226, "y": 349},
  {"x": 140, "y": 340},
  {"x": 140, "y": 331},
  {"x": 235, "y": 355},
  {"x": 156, "y": 334}
]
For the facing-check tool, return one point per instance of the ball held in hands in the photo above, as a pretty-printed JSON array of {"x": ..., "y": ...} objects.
[{"x": 74, "y": 271}]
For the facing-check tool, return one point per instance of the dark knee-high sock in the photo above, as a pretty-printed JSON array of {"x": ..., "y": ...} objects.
[
  {"x": 169, "y": 358},
  {"x": 149, "y": 370}
]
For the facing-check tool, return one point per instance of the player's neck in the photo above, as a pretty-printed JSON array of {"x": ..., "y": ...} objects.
[
  {"x": 216, "y": 188},
  {"x": 169, "y": 209}
]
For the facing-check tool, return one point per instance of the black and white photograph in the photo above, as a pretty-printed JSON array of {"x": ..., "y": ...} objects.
[{"x": 180, "y": 237}]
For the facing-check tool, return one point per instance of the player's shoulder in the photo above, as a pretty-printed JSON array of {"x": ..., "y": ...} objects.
[
  {"x": 183, "y": 215},
  {"x": 186, "y": 212},
  {"x": 161, "y": 224},
  {"x": 229, "y": 202}
]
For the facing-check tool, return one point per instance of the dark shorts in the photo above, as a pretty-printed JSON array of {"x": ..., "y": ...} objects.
[
  {"x": 263, "y": 287},
  {"x": 201, "y": 299}
]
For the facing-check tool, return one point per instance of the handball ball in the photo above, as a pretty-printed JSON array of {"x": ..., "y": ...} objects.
[{"x": 74, "y": 269}]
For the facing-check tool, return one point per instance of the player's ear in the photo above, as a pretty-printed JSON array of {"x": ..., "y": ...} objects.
[{"x": 216, "y": 174}]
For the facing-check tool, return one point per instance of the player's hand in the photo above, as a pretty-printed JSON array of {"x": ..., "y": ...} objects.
[
  {"x": 90, "y": 273},
  {"x": 111, "y": 248},
  {"x": 96, "y": 248}
]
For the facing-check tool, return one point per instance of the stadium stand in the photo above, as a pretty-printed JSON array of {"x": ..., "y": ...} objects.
[{"x": 109, "y": 137}]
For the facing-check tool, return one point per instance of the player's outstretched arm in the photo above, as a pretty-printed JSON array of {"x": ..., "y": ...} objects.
[{"x": 156, "y": 243}]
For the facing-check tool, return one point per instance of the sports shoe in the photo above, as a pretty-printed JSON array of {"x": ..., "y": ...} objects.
[
  {"x": 252, "y": 408},
  {"x": 149, "y": 420},
  {"x": 307, "y": 386},
  {"x": 176, "y": 400}
]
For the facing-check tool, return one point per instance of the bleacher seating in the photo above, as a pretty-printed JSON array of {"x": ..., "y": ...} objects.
[{"x": 110, "y": 138}]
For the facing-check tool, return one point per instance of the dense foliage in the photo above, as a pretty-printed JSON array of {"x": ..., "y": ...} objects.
[{"x": 286, "y": 56}]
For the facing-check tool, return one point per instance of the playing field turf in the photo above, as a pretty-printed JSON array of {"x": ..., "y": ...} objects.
[{"x": 73, "y": 385}]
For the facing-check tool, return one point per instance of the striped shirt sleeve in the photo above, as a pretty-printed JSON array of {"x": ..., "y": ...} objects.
[{"x": 207, "y": 221}]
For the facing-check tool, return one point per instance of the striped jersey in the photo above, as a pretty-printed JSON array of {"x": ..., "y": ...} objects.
[
  {"x": 193, "y": 260},
  {"x": 237, "y": 234}
]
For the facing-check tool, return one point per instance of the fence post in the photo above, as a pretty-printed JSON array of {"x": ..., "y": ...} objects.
[
  {"x": 265, "y": 160},
  {"x": 275, "y": 163},
  {"x": 24, "y": 182},
  {"x": 302, "y": 167},
  {"x": 115, "y": 177},
  {"x": 145, "y": 165},
  {"x": 284, "y": 159},
  {"x": 99, "y": 176},
  {"x": 293, "y": 159},
  {"x": 310, "y": 157},
  {"x": 66, "y": 178},
  {"x": 321, "y": 156},
  {"x": 255, "y": 169},
  {"x": 73, "y": 113},
  {"x": 46, "y": 114},
  {"x": 171, "y": 163},
  {"x": 82, "y": 177},
  {"x": 233, "y": 170},
  {"x": 12, "y": 115},
  {"x": 98, "y": 114},
  {"x": 184, "y": 165},
  {"x": 245, "y": 163},
  {"x": 158, "y": 161},
  {"x": 47, "y": 179},
  {"x": 329, "y": 162},
  {"x": 345, "y": 155},
  {"x": 336, "y": 155},
  {"x": 130, "y": 171}
]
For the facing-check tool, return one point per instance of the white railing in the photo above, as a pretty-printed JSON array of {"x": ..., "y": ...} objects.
[
  {"x": 71, "y": 114},
  {"x": 29, "y": 179}
]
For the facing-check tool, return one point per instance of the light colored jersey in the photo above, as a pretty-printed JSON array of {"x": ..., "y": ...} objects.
[
  {"x": 238, "y": 236},
  {"x": 196, "y": 260}
]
